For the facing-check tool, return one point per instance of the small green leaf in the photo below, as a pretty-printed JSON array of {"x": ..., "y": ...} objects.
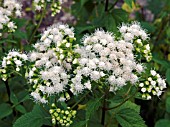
[
  {"x": 13, "y": 98},
  {"x": 5, "y": 110},
  {"x": 21, "y": 109},
  {"x": 162, "y": 123},
  {"x": 129, "y": 2}
]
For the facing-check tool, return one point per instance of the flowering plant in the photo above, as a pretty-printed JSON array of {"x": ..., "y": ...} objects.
[{"x": 73, "y": 82}]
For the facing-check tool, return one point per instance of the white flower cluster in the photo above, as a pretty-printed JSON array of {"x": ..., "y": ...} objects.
[
  {"x": 9, "y": 8},
  {"x": 55, "y": 5},
  {"x": 13, "y": 61},
  {"x": 53, "y": 57},
  {"x": 103, "y": 59},
  {"x": 63, "y": 117},
  {"x": 135, "y": 34},
  {"x": 154, "y": 85}
]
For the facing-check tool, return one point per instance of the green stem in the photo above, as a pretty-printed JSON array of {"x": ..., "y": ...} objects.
[
  {"x": 8, "y": 89},
  {"x": 80, "y": 99},
  {"x": 113, "y": 5},
  {"x": 122, "y": 102},
  {"x": 39, "y": 23}
]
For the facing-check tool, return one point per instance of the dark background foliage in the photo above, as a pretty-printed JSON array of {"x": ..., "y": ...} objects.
[{"x": 86, "y": 16}]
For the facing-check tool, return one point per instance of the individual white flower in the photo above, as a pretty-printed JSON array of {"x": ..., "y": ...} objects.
[
  {"x": 18, "y": 62},
  {"x": 153, "y": 72},
  {"x": 143, "y": 90},
  {"x": 128, "y": 36},
  {"x": 88, "y": 85},
  {"x": 139, "y": 68}
]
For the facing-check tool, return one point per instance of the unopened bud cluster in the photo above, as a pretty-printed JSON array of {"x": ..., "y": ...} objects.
[
  {"x": 10, "y": 8},
  {"x": 55, "y": 5},
  {"x": 62, "y": 117},
  {"x": 153, "y": 85},
  {"x": 12, "y": 63}
]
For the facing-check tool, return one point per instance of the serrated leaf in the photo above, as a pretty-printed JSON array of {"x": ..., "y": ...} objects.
[
  {"x": 35, "y": 118},
  {"x": 120, "y": 15},
  {"x": 109, "y": 22},
  {"x": 13, "y": 98},
  {"x": 29, "y": 119},
  {"x": 5, "y": 110},
  {"x": 168, "y": 76},
  {"x": 130, "y": 105},
  {"x": 162, "y": 123},
  {"x": 21, "y": 109},
  {"x": 92, "y": 106},
  {"x": 129, "y": 118}
]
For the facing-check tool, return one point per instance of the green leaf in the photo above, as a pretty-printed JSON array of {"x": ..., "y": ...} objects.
[
  {"x": 36, "y": 118},
  {"x": 80, "y": 29},
  {"x": 20, "y": 34},
  {"x": 120, "y": 15},
  {"x": 7, "y": 41},
  {"x": 130, "y": 105},
  {"x": 13, "y": 98},
  {"x": 129, "y": 118},
  {"x": 168, "y": 104},
  {"x": 164, "y": 63},
  {"x": 79, "y": 124},
  {"x": 92, "y": 106},
  {"x": 129, "y": 2},
  {"x": 21, "y": 109},
  {"x": 28, "y": 119},
  {"x": 168, "y": 76},
  {"x": 162, "y": 123},
  {"x": 5, "y": 110},
  {"x": 83, "y": 2},
  {"x": 20, "y": 22},
  {"x": 109, "y": 22}
]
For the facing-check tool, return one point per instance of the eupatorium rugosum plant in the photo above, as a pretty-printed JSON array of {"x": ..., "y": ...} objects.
[{"x": 60, "y": 70}]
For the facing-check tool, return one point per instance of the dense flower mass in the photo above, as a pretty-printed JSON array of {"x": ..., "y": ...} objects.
[
  {"x": 53, "y": 57},
  {"x": 55, "y": 5},
  {"x": 9, "y": 8},
  {"x": 104, "y": 58},
  {"x": 13, "y": 61}
]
